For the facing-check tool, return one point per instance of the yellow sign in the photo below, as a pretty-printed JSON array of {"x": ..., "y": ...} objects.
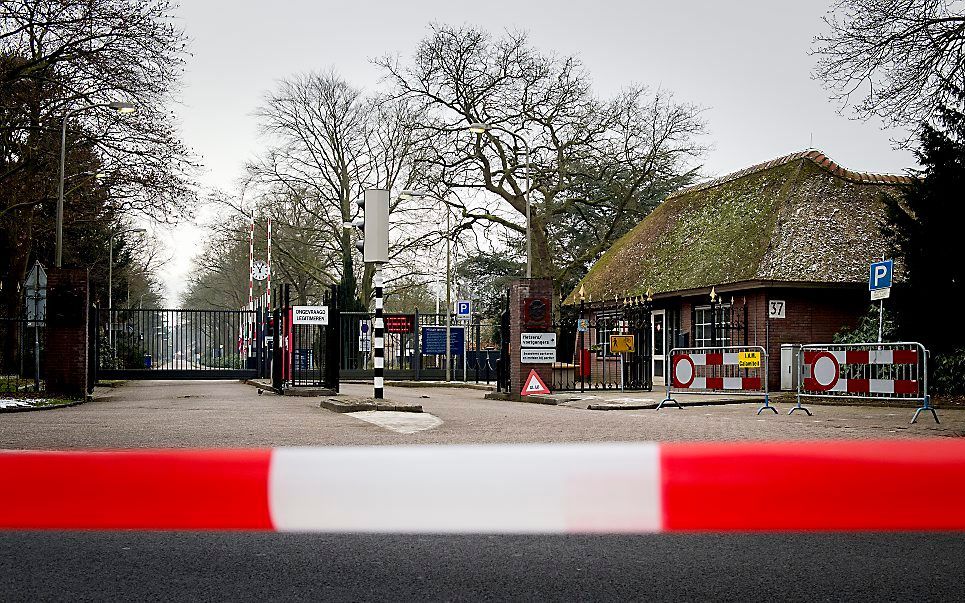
[
  {"x": 622, "y": 343},
  {"x": 749, "y": 359}
]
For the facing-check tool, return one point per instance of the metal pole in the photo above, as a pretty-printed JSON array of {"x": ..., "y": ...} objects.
[
  {"x": 448, "y": 297},
  {"x": 881, "y": 317},
  {"x": 59, "y": 241},
  {"x": 378, "y": 335},
  {"x": 110, "y": 291},
  {"x": 529, "y": 237}
]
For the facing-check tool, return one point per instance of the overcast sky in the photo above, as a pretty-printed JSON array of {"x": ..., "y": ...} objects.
[{"x": 746, "y": 62}]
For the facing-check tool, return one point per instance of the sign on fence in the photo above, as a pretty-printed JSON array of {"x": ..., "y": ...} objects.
[
  {"x": 716, "y": 370},
  {"x": 622, "y": 344},
  {"x": 884, "y": 371},
  {"x": 434, "y": 340},
  {"x": 309, "y": 315}
]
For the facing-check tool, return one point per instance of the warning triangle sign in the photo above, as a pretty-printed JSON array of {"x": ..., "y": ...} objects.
[{"x": 534, "y": 385}]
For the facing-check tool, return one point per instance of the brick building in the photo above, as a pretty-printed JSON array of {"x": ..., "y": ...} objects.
[{"x": 791, "y": 236}]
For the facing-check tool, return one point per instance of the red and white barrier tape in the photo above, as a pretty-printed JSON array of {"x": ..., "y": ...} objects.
[{"x": 565, "y": 488}]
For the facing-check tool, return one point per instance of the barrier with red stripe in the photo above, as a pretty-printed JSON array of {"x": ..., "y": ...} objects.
[
  {"x": 550, "y": 488},
  {"x": 716, "y": 370},
  {"x": 884, "y": 371}
]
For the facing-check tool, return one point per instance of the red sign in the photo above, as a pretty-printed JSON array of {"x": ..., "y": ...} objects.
[
  {"x": 400, "y": 323},
  {"x": 534, "y": 385}
]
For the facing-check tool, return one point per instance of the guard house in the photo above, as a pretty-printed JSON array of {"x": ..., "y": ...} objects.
[{"x": 777, "y": 253}]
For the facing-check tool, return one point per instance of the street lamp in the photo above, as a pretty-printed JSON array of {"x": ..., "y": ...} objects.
[
  {"x": 420, "y": 195},
  {"x": 110, "y": 281},
  {"x": 120, "y": 107},
  {"x": 481, "y": 128}
]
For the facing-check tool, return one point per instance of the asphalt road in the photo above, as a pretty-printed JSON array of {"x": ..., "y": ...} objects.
[{"x": 233, "y": 566}]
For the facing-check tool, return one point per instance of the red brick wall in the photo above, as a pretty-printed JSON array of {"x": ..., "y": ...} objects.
[
  {"x": 519, "y": 290},
  {"x": 67, "y": 336}
]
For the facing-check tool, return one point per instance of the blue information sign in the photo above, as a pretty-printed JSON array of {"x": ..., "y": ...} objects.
[
  {"x": 434, "y": 340},
  {"x": 880, "y": 275}
]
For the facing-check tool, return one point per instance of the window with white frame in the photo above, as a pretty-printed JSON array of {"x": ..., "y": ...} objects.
[
  {"x": 704, "y": 322},
  {"x": 607, "y": 324}
]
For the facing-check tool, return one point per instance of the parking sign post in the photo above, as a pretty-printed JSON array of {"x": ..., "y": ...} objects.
[{"x": 879, "y": 284}]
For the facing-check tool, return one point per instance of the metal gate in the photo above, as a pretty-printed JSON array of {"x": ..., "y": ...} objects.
[
  {"x": 178, "y": 344},
  {"x": 584, "y": 358}
]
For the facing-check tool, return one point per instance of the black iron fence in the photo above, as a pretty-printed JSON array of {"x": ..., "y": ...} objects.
[
  {"x": 22, "y": 355},
  {"x": 415, "y": 347},
  {"x": 178, "y": 344},
  {"x": 585, "y": 359}
]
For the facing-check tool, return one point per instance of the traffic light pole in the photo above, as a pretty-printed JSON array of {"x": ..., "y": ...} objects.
[{"x": 378, "y": 343}]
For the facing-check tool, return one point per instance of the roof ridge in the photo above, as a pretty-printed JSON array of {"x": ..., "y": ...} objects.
[{"x": 814, "y": 155}]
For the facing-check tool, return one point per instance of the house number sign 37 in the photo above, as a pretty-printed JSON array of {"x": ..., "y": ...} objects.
[{"x": 776, "y": 308}]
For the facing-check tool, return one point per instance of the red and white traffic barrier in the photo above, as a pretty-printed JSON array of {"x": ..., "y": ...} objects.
[
  {"x": 885, "y": 371},
  {"x": 716, "y": 370},
  {"x": 566, "y": 488}
]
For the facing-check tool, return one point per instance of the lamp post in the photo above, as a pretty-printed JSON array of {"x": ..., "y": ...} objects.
[
  {"x": 419, "y": 195},
  {"x": 118, "y": 106},
  {"x": 110, "y": 282},
  {"x": 713, "y": 317},
  {"x": 481, "y": 128}
]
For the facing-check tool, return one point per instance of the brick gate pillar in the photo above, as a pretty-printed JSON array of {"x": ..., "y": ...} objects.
[
  {"x": 66, "y": 361},
  {"x": 530, "y": 311}
]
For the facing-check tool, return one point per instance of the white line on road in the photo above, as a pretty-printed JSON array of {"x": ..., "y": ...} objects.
[{"x": 399, "y": 422}]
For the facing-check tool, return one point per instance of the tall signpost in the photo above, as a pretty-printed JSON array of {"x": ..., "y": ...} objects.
[
  {"x": 36, "y": 299},
  {"x": 375, "y": 250},
  {"x": 879, "y": 283}
]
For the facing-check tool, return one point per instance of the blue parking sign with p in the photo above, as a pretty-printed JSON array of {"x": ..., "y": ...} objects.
[
  {"x": 880, "y": 275},
  {"x": 463, "y": 308}
]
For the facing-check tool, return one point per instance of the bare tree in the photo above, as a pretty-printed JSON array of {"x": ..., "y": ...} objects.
[
  {"x": 898, "y": 60},
  {"x": 329, "y": 142},
  {"x": 614, "y": 158}
]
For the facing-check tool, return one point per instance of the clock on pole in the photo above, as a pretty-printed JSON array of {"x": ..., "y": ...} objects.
[{"x": 260, "y": 270}]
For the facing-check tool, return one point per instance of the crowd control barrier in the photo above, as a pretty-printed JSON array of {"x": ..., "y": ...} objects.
[
  {"x": 881, "y": 371},
  {"x": 531, "y": 488},
  {"x": 737, "y": 369}
]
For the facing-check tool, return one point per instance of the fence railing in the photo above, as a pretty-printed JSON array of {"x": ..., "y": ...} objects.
[
  {"x": 737, "y": 370},
  {"x": 22, "y": 355},
  {"x": 877, "y": 371}
]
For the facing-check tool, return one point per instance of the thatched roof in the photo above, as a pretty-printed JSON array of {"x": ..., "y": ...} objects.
[{"x": 798, "y": 218}]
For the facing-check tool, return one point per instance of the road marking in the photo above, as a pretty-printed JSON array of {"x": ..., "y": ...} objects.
[{"x": 399, "y": 422}]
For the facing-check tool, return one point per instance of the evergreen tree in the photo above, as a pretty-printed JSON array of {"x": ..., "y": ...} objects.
[{"x": 926, "y": 227}]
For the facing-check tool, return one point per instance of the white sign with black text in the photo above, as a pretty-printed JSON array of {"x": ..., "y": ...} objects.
[
  {"x": 879, "y": 294},
  {"x": 309, "y": 315},
  {"x": 537, "y": 355},
  {"x": 537, "y": 340},
  {"x": 776, "y": 308}
]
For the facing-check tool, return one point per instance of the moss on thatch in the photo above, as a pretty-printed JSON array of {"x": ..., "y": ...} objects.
[{"x": 797, "y": 218}]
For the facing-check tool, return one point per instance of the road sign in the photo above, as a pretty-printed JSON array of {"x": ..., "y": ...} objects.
[
  {"x": 776, "y": 308},
  {"x": 434, "y": 340},
  {"x": 537, "y": 355},
  {"x": 36, "y": 295},
  {"x": 537, "y": 340},
  {"x": 880, "y": 277},
  {"x": 622, "y": 343},
  {"x": 463, "y": 308},
  {"x": 879, "y": 294},
  {"x": 749, "y": 360},
  {"x": 534, "y": 385},
  {"x": 309, "y": 315}
]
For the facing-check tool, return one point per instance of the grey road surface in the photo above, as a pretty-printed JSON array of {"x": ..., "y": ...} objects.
[
  {"x": 280, "y": 567},
  {"x": 229, "y": 414}
]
